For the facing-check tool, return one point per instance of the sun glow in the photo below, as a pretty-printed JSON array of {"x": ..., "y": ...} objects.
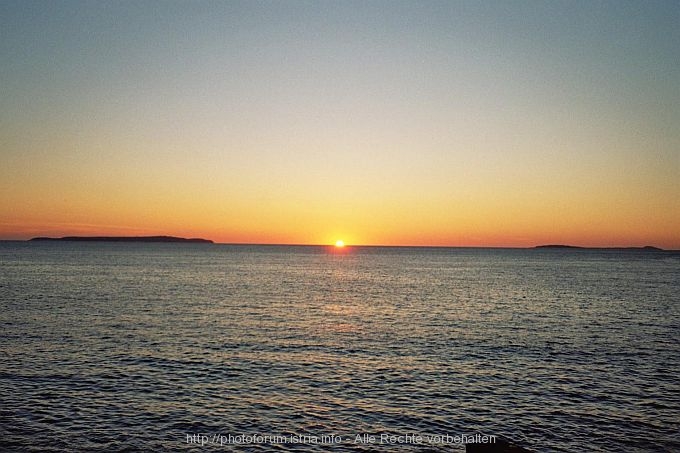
[{"x": 339, "y": 243}]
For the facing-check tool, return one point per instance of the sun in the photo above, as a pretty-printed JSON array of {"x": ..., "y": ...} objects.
[{"x": 339, "y": 243}]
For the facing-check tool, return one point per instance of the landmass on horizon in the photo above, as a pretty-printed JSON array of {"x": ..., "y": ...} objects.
[
  {"x": 124, "y": 239},
  {"x": 564, "y": 246},
  {"x": 174, "y": 239}
]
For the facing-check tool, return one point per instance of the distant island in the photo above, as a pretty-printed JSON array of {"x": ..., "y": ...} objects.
[
  {"x": 124, "y": 239},
  {"x": 562, "y": 246}
]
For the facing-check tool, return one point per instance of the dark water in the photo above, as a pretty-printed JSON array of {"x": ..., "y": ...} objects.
[{"x": 142, "y": 346}]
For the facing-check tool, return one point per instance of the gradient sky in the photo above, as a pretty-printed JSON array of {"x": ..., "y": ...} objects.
[{"x": 414, "y": 123}]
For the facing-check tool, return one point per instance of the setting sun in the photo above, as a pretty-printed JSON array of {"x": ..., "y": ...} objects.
[{"x": 339, "y": 243}]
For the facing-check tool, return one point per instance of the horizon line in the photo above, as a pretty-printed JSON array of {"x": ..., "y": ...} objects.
[{"x": 548, "y": 245}]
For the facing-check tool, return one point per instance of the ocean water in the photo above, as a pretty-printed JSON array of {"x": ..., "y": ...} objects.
[{"x": 154, "y": 347}]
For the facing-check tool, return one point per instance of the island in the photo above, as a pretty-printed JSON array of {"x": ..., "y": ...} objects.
[
  {"x": 124, "y": 239},
  {"x": 557, "y": 246},
  {"x": 648, "y": 248}
]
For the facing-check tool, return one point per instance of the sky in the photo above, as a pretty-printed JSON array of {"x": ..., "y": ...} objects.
[{"x": 447, "y": 123}]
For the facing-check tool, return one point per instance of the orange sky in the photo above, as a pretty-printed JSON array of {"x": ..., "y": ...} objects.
[{"x": 405, "y": 124}]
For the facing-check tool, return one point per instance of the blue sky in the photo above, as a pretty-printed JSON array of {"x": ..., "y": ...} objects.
[{"x": 553, "y": 108}]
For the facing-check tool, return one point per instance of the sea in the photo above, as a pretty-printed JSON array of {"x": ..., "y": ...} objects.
[{"x": 210, "y": 347}]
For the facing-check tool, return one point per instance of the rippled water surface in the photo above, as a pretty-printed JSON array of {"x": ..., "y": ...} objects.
[{"x": 138, "y": 346}]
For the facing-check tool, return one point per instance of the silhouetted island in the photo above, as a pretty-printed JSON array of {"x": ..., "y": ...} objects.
[
  {"x": 562, "y": 246},
  {"x": 124, "y": 239},
  {"x": 557, "y": 246}
]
